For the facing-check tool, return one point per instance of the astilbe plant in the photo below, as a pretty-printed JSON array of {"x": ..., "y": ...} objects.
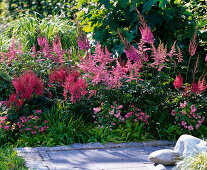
[
  {"x": 70, "y": 81},
  {"x": 196, "y": 88},
  {"x": 26, "y": 85},
  {"x": 12, "y": 53},
  {"x": 55, "y": 53},
  {"x": 75, "y": 85}
]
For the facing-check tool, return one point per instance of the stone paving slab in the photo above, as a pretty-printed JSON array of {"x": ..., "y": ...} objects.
[{"x": 125, "y": 156}]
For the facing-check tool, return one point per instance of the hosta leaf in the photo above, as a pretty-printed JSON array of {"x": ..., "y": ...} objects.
[
  {"x": 163, "y": 3},
  {"x": 148, "y": 5},
  {"x": 106, "y": 3},
  {"x": 123, "y": 3}
]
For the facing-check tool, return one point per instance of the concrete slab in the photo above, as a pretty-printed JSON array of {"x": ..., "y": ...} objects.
[{"x": 132, "y": 156}]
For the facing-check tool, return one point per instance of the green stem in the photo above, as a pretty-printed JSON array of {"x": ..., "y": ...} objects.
[{"x": 187, "y": 69}]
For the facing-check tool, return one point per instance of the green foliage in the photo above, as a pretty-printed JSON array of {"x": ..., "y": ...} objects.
[
  {"x": 167, "y": 20},
  {"x": 64, "y": 129},
  {"x": 10, "y": 160},
  {"x": 27, "y": 28},
  {"x": 42, "y": 7},
  {"x": 5, "y": 85}
]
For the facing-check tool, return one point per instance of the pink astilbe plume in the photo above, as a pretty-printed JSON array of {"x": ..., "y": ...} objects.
[
  {"x": 27, "y": 84},
  {"x": 82, "y": 39},
  {"x": 193, "y": 46},
  {"x": 96, "y": 66},
  {"x": 146, "y": 33},
  {"x": 199, "y": 87},
  {"x": 160, "y": 56},
  {"x": 75, "y": 85},
  {"x": 12, "y": 52},
  {"x": 179, "y": 56},
  {"x": 178, "y": 82},
  {"x": 54, "y": 53},
  {"x": 130, "y": 51}
]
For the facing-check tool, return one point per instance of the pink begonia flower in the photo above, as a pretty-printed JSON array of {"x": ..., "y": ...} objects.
[
  {"x": 45, "y": 121},
  {"x": 118, "y": 114},
  {"x": 120, "y": 107},
  {"x": 6, "y": 128},
  {"x": 36, "y": 117},
  {"x": 38, "y": 111},
  {"x": 135, "y": 120},
  {"x": 46, "y": 127},
  {"x": 112, "y": 107},
  {"x": 33, "y": 132},
  {"x": 96, "y": 110},
  {"x": 2, "y": 122},
  {"x": 183, "y": 123},
  {"x": 128, "y": 114},
  {"x": 190, "y": 127},
  {"x": 173, "y": 112},
  {"x": 182, "y": 105},
  {"x": 111, "y": 112},
  {"x": 42, "y": 129},
  {"x": 197, "y": 125},
  {"x": 113, "y": 123}
]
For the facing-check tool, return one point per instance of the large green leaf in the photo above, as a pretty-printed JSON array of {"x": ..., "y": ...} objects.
[
  {"x": 123, "y": 3},
  {"x": 148, "y": 5},
  {"x": 163, "y": 3},
  {"x": 106, "y": 3}
]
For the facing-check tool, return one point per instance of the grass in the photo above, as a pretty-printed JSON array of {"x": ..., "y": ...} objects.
[
  {"x": 10, "y": 160},
  {"x": 198, "y": 162}
]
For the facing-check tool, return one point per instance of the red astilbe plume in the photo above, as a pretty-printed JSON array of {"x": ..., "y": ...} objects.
[
  {"x": 75, "y": 85},
  {"x": 58, "y": 76},
  {"x": 178, "y": 82},
  {"x": 199, "y": 87},
  {"x": 14, "y": 101},
  {"x": 193, "y": 46},
  {"x": 28, "y": 83}
]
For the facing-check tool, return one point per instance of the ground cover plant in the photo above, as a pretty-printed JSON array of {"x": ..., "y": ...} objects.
[
  {"x": 10, "y": 160},
  {"x": 58, "y": 87}
]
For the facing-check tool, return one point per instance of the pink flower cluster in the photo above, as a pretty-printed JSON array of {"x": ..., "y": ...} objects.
[
  {"x": 10, "y": 56},
  {"x": 136, "y": 114},
  {"x": 55, "y": 53},
  {"x": 4, "y": 124},
  {"x": 108, "y": 115},
  {"x": 99, "y": 68},
  {"x": 27, "y": 125},
  {"x": 32, "y": 125},
  {"x": 187, "y": 116}
]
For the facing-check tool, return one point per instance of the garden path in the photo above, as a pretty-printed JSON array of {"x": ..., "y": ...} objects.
[{"x": 125, "y": 156}]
